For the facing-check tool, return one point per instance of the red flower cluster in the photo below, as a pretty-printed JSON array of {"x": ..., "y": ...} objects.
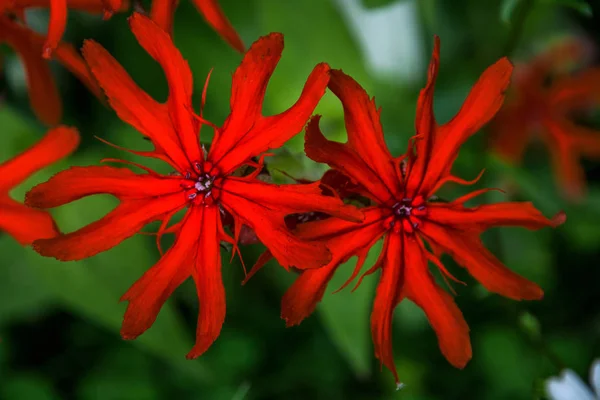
[
  {"x": 405, "y": 216},
  {"x": 205, "y": 185},
  {"x": 305, "y": 225},
  {"x": 547, "y": 110},
  {"x": 23, "y": 223}
]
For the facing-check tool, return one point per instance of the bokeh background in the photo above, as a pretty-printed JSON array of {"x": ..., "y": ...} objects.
[{"x": 59, "y": 322}]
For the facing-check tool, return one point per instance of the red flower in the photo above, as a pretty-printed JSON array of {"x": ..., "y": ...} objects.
[
  {"x": 406, "y": 217},
  {"x": 163, "y": 10},
  {"x": 43, "y": 92},
  {"x": 204, "y": 185},
  {"x": 547, "y": 110},
  {"x": 58, "y": 15},
  {"x": 23, "y": 223}
]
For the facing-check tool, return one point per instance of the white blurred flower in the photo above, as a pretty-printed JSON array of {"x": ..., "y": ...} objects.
[
  {"x": 568, "y": 386},
  {"x": 389, "y": 37}
]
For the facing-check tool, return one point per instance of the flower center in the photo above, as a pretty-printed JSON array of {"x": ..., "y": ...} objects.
[
  {"x": 199, "y": 183},
  {"x": 406, "y": 215}
]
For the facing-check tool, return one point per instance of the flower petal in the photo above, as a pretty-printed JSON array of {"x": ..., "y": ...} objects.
[
  {"x": 209, "y": 283},
  {"x": 70, "y": 58},
  {"x": 482, "y": 103},
  {"x": 162, "y": 13},
  {"x": 56, "y": 26},
  {"x": 489, "y": 215},
  {"x": 25, "y": 224},
  {"x": 469, "y": 252},
  {"x": 386, "y": 300},
  {"x": 77, "y": 182},
  {"x": 350, "y": 240},
  {"x": 439, "y": 146},
  {"x": 179, "y": 77},
  {"x": 565, "y": 161},
  {"x": 346, "y": 160},
  {"x": 568, "y": 386},
  {"x": 246, "y": 132},
  {"x": 365, "y": 135},
  {"x": 58, "y": 143},
  {"x": 263, "y": 208},
  {"x": 444, "y": 316},
  {"x": 133, "y": 105},
  {"x": 124, "y": 221},
  {"x": 43, "y": 92},
  {"x": 215, "y": 16},
  {"x": 425, "y": 124},
  {"x": 510, "y": 133},
  {"x": 148, "y": 294}
]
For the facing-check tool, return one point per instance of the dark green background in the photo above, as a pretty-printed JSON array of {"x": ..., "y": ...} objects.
[{"x": 59, "y": 322}]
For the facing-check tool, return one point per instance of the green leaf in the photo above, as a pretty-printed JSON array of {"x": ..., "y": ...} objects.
[
  {"x": 507, "y": 10},
  {"x": 346, "y": 315},
  {"x": 22, "y": 294},
  {"x": 582, "y": 6},
  {"x": 27, "y": 386}
]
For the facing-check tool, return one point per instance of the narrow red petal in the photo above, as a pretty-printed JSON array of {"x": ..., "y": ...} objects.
[
  {"x": 272, "y": 132},
  {"x": 290, "y": 198},
  {"x": 133, "y": 105},
  {"x": 162, "y": 12},
  {"x": 345, "y": 159},
  {"x": 215, "y": 16},
  {"x": 350, "y": 240},
  {"x": 486, "y": 216},
  {"x": 77, "y": 182},
  {"x": 147, "y": 296},
  {"x": 247, "y": 93},
  {"x": 437, "y": 146},
  {"x": 58, "y": 143},
  {"x": 482, "y": 103},
  {"x": 365, "y": 134},
  {"x": 43, "y": 92},
  {"x": 69, "y": 58},
  {"x": 179, "y": 77},
  {"x": 510, "y": 132},
  {"x": 263, "y": 208},
  {"x": 124, "y": 221},
  {"x": 444, "y": 316},
  {"x": 209, "y": 283},
  {"x": 386, "y": 300},
  {"x": 425, "y": 124},
  {"x": 469, "y": 252},
  {"x": 56, "y": 26},
  {"x": 23, "y": 223},
  {"x": 565, "y": 161}
]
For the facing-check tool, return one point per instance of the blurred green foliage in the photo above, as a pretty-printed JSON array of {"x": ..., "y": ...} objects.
[{"x": 59, "y": 322}]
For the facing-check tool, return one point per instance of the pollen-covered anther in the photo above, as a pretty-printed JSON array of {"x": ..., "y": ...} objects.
[{"x": 407, "y": 215}]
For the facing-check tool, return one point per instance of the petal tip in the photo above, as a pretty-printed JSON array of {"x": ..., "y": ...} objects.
[{"x": 559, "y": 219}]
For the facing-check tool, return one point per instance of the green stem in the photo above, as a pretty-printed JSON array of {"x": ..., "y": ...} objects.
[{"x": 517, "y": 26}]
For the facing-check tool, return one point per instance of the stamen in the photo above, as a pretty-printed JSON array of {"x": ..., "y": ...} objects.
[{"x": 408, "y": 213}]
